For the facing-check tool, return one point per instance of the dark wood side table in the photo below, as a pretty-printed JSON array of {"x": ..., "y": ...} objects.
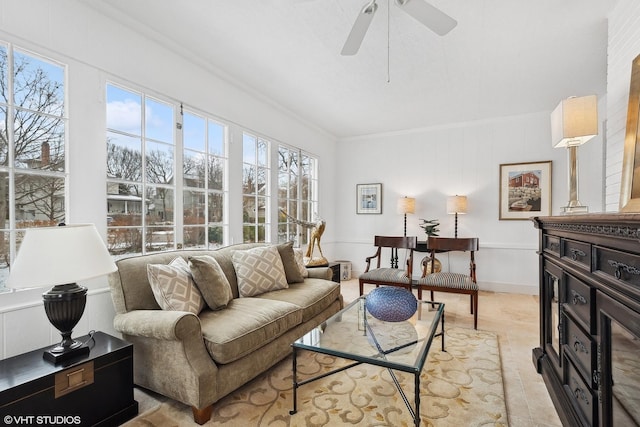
[{"x": 96, "y": 390}]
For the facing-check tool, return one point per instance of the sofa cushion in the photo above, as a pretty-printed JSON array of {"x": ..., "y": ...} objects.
[
  {"x": 173, "y": 287},
  {"x": 313, "y": 296},
  {"x": 291, "y": 270},
  {"x": 259, "y": 270},
  {"x": 211, "y": 281},
  {"x": 299, "y": 256},
  {"x": 245, "y": 325}
]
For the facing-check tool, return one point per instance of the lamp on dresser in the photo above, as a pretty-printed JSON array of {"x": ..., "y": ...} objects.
[
  {"x": 574, "y": 122},
  {"x": 456, "y": 205},
  {"x": 60, "y": 257}
]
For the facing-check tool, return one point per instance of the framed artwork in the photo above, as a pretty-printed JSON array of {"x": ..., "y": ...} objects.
[
  {"x": 369, "y": 198},
  {"x": 630, "y": 180},
  {"x": 525, "y": 190}
]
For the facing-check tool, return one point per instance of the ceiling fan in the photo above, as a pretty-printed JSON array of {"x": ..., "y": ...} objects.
[{"x": 428, "y": 15}]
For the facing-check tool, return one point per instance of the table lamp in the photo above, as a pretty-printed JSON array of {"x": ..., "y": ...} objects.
[
  {"x": 574, "y": 122},
  {"x": 60, "y": 257},
  {"x": 456, "y": 205},
  {"x": 406, "y": 205}
]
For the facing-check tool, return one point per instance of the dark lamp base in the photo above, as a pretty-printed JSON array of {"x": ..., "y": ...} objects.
[{"x": 56, "y": 357}]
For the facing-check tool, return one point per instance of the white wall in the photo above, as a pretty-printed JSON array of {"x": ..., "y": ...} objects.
[
  {"x": 431, "y": 164},
  {"x": 97, "y": 49},
  {"x": 623, "y": 47}
]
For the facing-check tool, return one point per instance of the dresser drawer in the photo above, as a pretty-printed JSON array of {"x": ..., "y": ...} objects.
[
  {"x": 579, "y": 301},
  {"x": 581, "y": 348},
  {"x": 551, "y": 244},
  {"x": 580, "y": 395},
  {"x": 618, "y": 266},
  {"x": 578, "y": 253}
]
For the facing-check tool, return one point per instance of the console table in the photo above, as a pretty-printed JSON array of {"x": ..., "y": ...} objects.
[
  {"x": 590, "y": 317},
  {"x": 86, "y": 391}
]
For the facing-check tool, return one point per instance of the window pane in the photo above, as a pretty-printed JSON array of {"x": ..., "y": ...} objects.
[
  {"x": 215, "y": 236},
  {"x": 124, "y": 240},
  {"x": 4, "y": 137},
  {"x": 124, "y": 110},
  {"x": 160, "y": 205},
  {"x": 248, "y": 149},
  {"x": 38, "y": 85},
  {"x": 124, "y": 204},
  {"x": 159, "y": 239},
  {"x": 216, "y": 173},
  {"x": 249, "y": 209},
  {"x": 158, "y": 121},
  {"x": 262, "y": 152},
  {"x": 216, "y": 207},
  {"x": 248, "y": 233},
  {"x": 248, "y": 179},
  {"x": 261, "y": 210},
  {"x": 193, "y": 132},
  {"x": 40, "y": 200},
  {"x": 193, "y": 168},
  {"x": 39, "y": 141},
  {"x": 159, "y": 163},
  {"x": 194, "y": 237},
  {"x": 194, "y": 207},
  {"x": 216, "y": 139},
  {"x": 124, "y": 157},
  {"x": 261, "y": 181},
  {"x": 4, "y": 74}
]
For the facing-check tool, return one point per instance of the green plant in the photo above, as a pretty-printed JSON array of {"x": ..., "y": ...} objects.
[{"x": 430, "y": 226}]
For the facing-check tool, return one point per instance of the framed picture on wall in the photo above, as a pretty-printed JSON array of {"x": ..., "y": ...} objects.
[
  {"x": 525, "y": 190},
  {"x": 368, "y": 198}
]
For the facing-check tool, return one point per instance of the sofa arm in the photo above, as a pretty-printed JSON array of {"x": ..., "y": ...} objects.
[
  {"x": 158, "y": 324},
  {"x": 320, "y": 273}
]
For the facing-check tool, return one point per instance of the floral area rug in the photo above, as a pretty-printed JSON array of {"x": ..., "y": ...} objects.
[{"x": 459, "y": 387}]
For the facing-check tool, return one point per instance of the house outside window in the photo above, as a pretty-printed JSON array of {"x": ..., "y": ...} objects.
[
  {"x": 297, "y": 193},
  {"x": 33, "y": 167},
  {"x": 255, "y": 188}
]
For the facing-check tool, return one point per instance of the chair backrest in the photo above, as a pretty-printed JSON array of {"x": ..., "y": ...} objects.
[
  {"x": 396, "y": 242},
  {"x": 451, "y": 244}
]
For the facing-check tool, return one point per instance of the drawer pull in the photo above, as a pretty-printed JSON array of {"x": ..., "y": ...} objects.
[
  {"x": 578, "y": 346},
  {"x": 553, "y": 246},
  {"x": 579, "y": 394},
  {"x": 575, "y": 253},
  {"x": 577, "y": 298},
  {"x": 619, "y": 266}
]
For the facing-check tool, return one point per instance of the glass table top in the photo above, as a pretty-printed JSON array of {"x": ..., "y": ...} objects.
[{"x": 353, "y": 333}]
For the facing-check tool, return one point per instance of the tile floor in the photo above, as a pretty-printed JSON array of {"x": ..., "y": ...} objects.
[{"x": 515, "y": 318}]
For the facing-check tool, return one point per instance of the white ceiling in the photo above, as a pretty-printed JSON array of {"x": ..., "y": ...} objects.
[{"x": 505, "y": 57}]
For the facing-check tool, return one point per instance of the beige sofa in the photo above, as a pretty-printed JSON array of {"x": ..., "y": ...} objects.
[{"x": 198, "y": 359}]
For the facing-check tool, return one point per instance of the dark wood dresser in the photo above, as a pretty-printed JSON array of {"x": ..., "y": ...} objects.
[
  {"x": 589, "y": 354},
  {"x": 96, "y": 390}
]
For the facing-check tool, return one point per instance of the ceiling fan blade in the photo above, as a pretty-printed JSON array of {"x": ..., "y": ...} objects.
[
  {"x": 430, "y": 16},
  {"x": 359, "y": 29}
]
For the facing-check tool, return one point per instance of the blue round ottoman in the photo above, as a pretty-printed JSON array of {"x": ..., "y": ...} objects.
[{"x": 391, "y": 304}]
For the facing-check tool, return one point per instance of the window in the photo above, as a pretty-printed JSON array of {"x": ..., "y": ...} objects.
[
  {"x": 141, "y": 185},
  {"x": 297, "y": 193},
  {"x": 204, "y": 163},
  {"x": 255, "y": 188},
  {"x": 33, "y": 169}
]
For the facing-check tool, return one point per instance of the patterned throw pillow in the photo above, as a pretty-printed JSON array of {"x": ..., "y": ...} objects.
[
  {"x": 211, "y": 281},
  {"x": 259, "y": 270},
  {"x": 297, "y": 252},
  {"x": 173, "y": 287}
]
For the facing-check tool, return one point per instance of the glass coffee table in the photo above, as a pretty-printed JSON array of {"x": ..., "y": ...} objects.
[{"x": 354, "y": 334}]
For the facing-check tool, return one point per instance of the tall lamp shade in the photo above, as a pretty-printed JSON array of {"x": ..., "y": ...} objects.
[
  {"x": 406, "y": 205},
  {"x": 574, "y": 122},
  {"x": 59, "y": 257},
  {"x": 456, "y": 205}
]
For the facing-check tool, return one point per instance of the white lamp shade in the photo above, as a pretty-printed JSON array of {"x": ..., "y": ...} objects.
[
  {"x": 457, "y": 204},
  {"x": 50, "y": 256},
  {"x": 574, "y": 121},
  {"x": 406, "y": 205}
]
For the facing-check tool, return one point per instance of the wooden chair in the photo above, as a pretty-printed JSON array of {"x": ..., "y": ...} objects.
[
  {"x": 392, "y": 276},
  {"x": 451, "y": 282}
]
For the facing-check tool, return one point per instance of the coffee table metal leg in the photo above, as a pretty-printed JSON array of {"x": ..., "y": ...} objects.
[
  {"x": 416, "y": 418},
  {"x": 295, "y": 382}
]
